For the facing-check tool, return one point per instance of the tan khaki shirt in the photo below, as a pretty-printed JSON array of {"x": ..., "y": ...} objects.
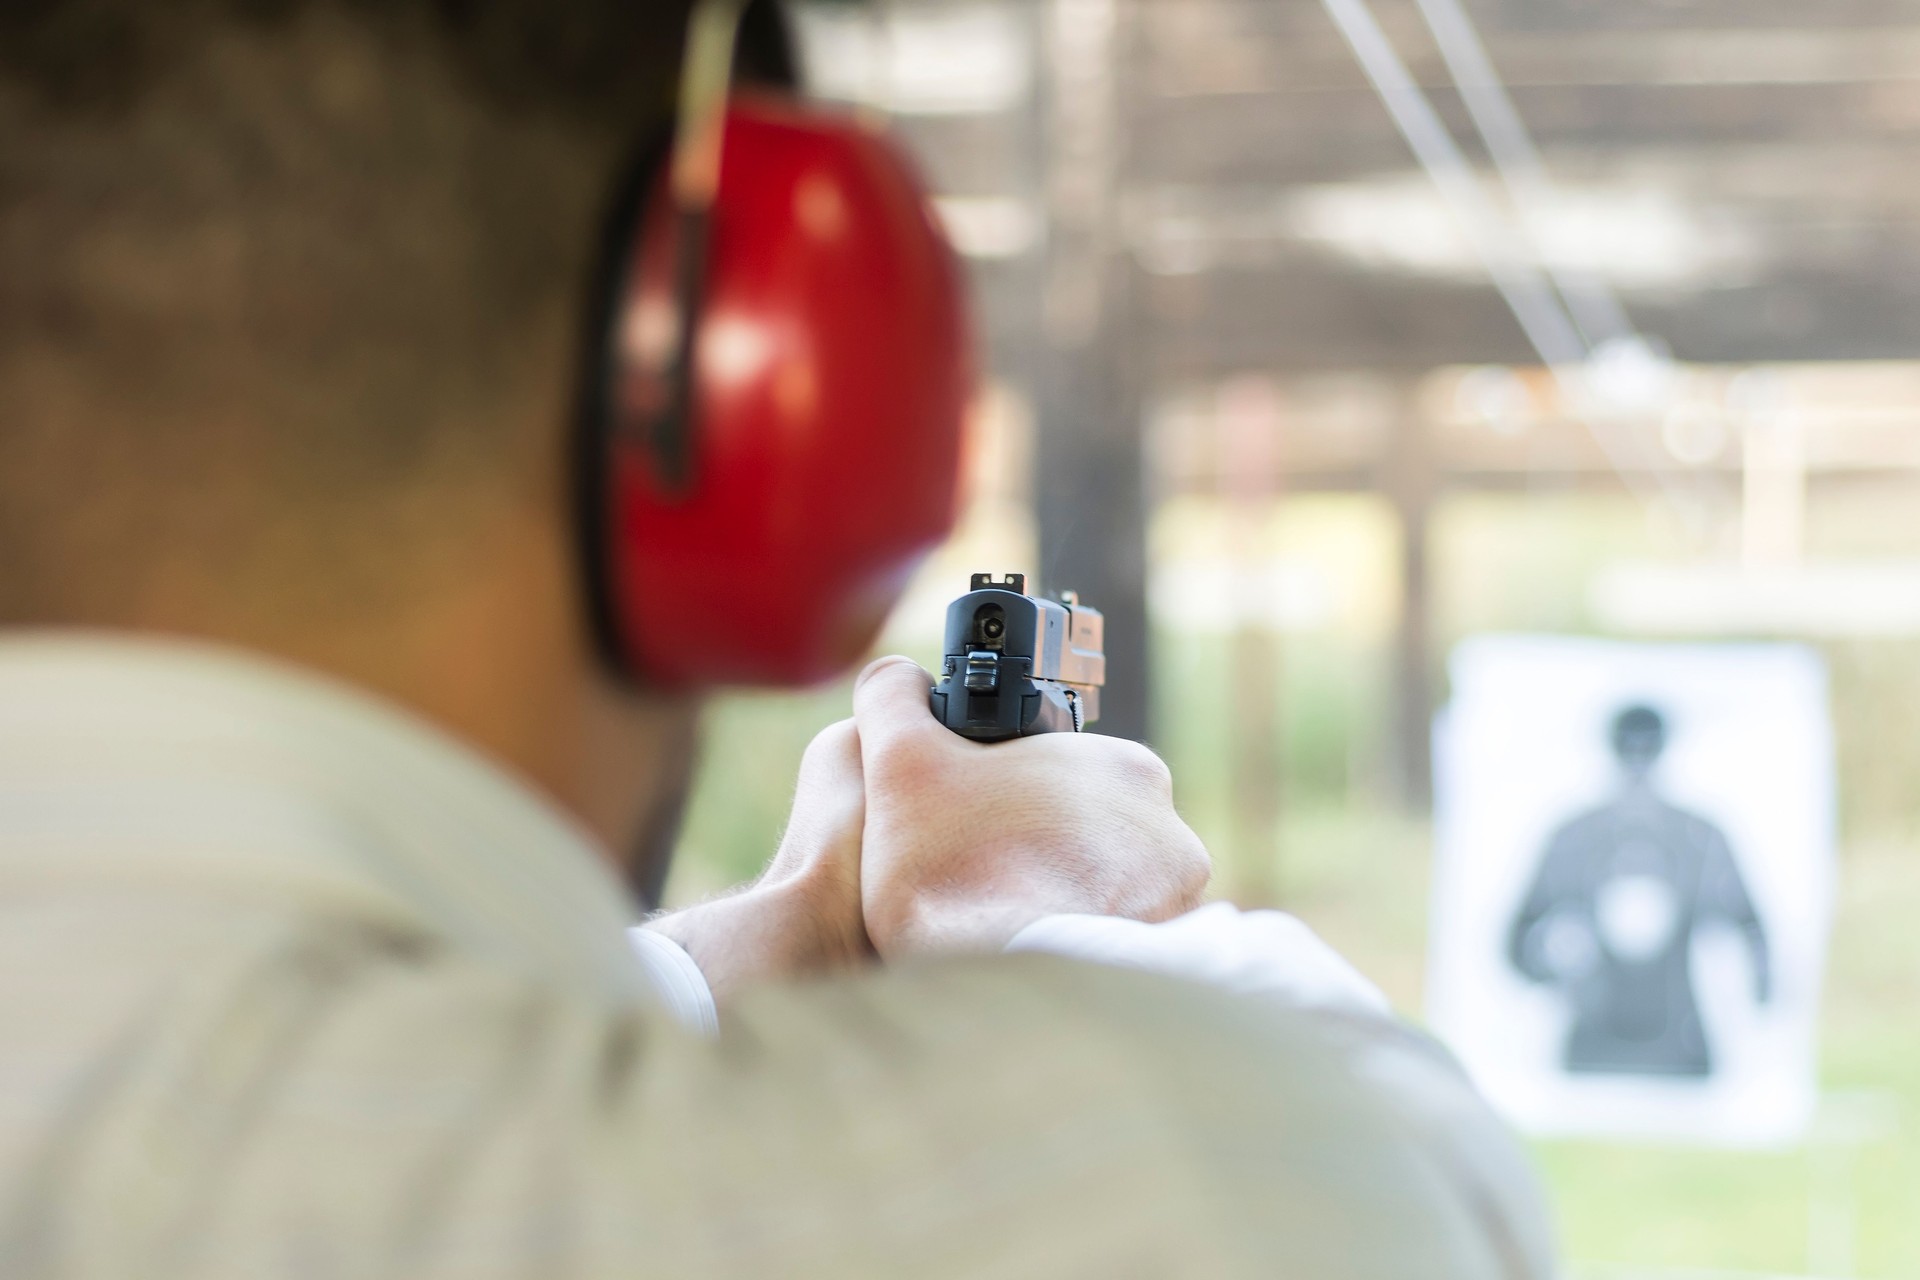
[{"x": 292, "y": 986}]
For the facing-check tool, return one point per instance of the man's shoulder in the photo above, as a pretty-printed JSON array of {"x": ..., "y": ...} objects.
[
  {"x": 1168, "y": 1114},
  {"x": 1110, "y": 1023},
  {"x": 944, "y": 1118}
]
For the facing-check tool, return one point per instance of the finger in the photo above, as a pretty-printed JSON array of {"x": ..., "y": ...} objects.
[
  {"x": 833, "y": 755},
  {"x": 829, "y": 802},
  {"x": 890, "y": 706},
  {"x": 830, "y": 780}
]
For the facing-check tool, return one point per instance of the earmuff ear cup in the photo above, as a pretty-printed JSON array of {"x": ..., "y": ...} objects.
[{"x": 831, "y": 376}]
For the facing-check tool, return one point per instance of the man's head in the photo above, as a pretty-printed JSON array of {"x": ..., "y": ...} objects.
[
  {"x": 289, "y": 336},
  {"x": 1639, "y": 736}
]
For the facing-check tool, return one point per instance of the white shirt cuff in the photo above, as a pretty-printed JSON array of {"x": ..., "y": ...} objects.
[
  {"x": 1256, "y": 953},
  {"x": 682, "y": 988}
]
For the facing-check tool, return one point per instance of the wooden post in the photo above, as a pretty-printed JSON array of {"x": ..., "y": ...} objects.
[
  {"x": 1247, "y": 416},
  {"x": 1410, "y": 482},
  {"x": 1090, "y": 486}
]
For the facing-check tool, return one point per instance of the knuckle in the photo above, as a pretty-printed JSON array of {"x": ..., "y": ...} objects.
[
  {"x": 908, "y": 763},
  {"x": 1187, "y": 870},
  {"x": 1143, "y": 766},
  {"x": 832, "y": 756},
  {"x": 1198, "y": 869},
  {"x": 833, "y": 742}
]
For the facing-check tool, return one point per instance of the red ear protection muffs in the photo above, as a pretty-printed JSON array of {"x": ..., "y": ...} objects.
[{"x": 774, "y": 430}]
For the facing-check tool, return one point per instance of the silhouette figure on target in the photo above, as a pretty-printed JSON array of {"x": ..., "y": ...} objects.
[{"x": 1610, "y": 918}]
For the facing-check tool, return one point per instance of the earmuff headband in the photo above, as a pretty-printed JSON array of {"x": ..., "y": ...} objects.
[
  {"x": 664, "y": 346},
  {"x": 705, "y": 81}
]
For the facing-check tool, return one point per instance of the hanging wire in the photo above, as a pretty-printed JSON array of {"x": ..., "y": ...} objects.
[
  {"x": 1593, "y": 307},
  {"x": 1526, "y": 288}
]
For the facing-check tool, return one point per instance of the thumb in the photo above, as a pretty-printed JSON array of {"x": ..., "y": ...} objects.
[{"x": 890, "y": 705}]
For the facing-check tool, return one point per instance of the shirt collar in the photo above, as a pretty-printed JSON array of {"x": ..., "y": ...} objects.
[{"x": 149, "y": 762}]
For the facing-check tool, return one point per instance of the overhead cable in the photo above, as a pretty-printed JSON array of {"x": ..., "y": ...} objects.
[
  {"x": 1521, "y": 282},
  {"x": 1592, "y": 306}
]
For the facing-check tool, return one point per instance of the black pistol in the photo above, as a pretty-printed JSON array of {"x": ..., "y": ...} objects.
[{"x": 1019, "y": 664}]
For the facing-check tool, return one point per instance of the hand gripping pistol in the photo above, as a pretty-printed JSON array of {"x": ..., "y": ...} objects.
[{"x": 1018, "y": 664}]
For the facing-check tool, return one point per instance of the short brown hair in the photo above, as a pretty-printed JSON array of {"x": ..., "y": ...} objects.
[{"x": 268, "y": 269}]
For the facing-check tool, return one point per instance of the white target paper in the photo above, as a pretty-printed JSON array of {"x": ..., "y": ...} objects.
[{"x": 1633, "y": 882}]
